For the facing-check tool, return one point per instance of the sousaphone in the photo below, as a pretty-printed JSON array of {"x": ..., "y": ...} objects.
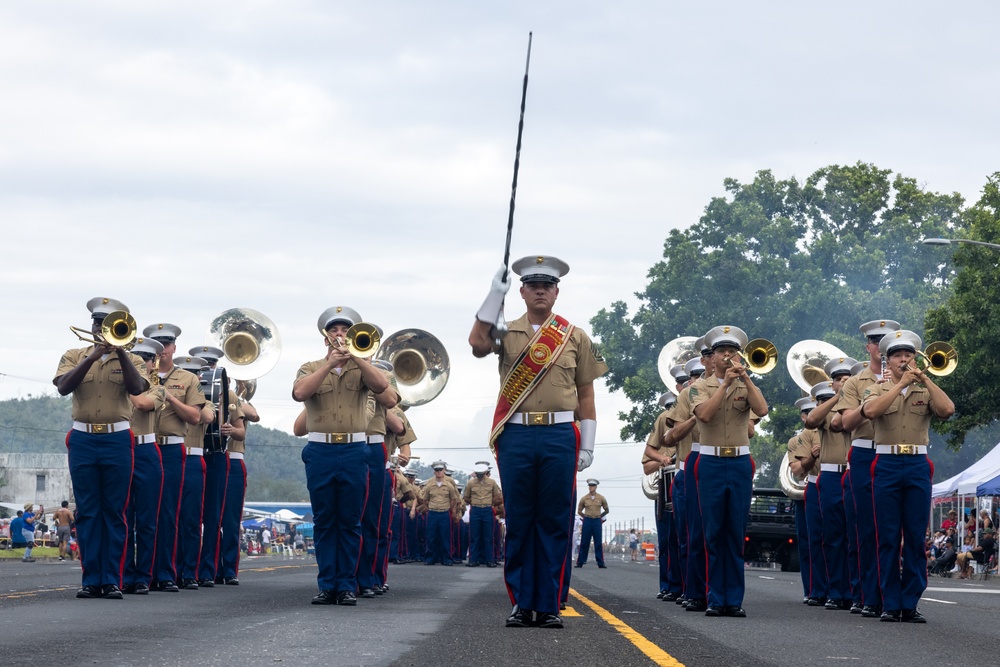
[
  {"x": 420, "y": 365},
  {"x": 806, "y": 359},
  {"x": 251, "y": 343},
  {"x": 678, "y": 351}
]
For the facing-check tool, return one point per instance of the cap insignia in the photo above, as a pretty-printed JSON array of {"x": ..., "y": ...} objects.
[
  {"x": 725, "y": 329},
  {"x": 539, "y": 259}
]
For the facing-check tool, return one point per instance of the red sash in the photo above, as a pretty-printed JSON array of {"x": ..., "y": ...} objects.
[{"x": 530, "y": 367}]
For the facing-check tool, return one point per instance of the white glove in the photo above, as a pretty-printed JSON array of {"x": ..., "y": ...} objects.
[
  {"x": 588, "y": 435},
  {"x": 489, "y": 312}
]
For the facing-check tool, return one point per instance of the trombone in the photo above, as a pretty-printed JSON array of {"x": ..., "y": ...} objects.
[
  {"x": 760, "y": 356},
  {"x": 939, "y": 359},
  {"x": 362, "y": 340},
  {"x": 118, "y": 329}
]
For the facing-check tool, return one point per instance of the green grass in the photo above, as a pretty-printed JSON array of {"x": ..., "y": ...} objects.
[{"x": 37, "y": 552}]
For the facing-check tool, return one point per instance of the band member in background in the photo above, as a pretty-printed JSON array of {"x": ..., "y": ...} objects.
[
  {"x": 335, "y": 391},
  {"x": 592, "y": 508},
  {"x": 182, "y": 407},
  {"x": 722, "y": 404},
  {"x": 147, "y": 476},
  {"x": 101, "y": 379},
  {"x": 657, "y": 456},
  {"x": 232, "y": 513},
  {"x": 399, "y": 435},
  {"x": 547, "y": 369},
  {"x": 901, "y": 411},
  {"x": 796, "y": 454},
  {"x": 441, "y": 498},
  {"x": 480, "y": 494}
]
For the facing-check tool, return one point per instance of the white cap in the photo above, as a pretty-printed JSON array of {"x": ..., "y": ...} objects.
[
  {"x": 822, "y": 390},
  {"x": 100, "y": 306},
  {"x": 211, "y": 354},
  {"x": 162, "y": 332},
  {"x": 726, "y": 335},
  {"x": 338, "y": 314},
  {"x": 840, "y": 366},
  {"x": 879, "y": 327},
  {"x": 694, "y": 366},
  {"x": 679, "y": 374},
  {"x": 540, "y": 268},
  {"x": 147, "y": 345},
  {"x": 193, "y": 364},
  {"x": 481, "y": 469},
  {"x": 592, "y": 482},
  {"x": 805, "y": 403},
  {"x": 899, "y": 340}
]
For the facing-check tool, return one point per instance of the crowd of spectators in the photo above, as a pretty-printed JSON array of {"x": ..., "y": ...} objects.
[{"x": 960, "y": 543}]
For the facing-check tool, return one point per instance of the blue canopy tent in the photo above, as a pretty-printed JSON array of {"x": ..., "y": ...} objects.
[
  {"x": 990, "y": 487},
  {"x": 257, "y": 524}
]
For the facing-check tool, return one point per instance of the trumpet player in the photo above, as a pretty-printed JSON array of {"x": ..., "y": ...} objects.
[
  {"x": 101, "y": 378},
  {"x": 901, "y": 410}
]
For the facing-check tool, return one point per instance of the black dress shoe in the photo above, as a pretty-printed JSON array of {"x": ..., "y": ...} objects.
[
  {"x": 680, "y": 599},
  {"x": 111, "y": 592},
  {"x": 141, "y": 589},
  {"x": 169, "y": 586},
  {"x": 817, "y": 602},
  {"x": 89, "y": 592},
  {"x": 347, "y": 598},
  {"x": 128, "y": 589},
  {"x": 805, "y": 600},
  {"x": 379, "y": 590},
  {"x": 232, "y": 581},
  {"x": 659, "y": 596},
  {"x": 856, "y": 607},
  {"x": 670, "y": 597},
  {"x": 562, "y": 606},
  {"x": 832, "y": 603},
  {"x": 471, "y": 564},
  {"x": 519, "y": 618},
  {"x": 713, "y": 611},
  {"x": 189, "y": 585},
  {"x": 890, "y": 616},
  {"x": 603, "y": 566},
  {"x": 325, "y": 597},
  {"x": 206, "y": 583},
  {"x": 367, "y": 593},
  {"x": 449, "y": 563},
  {"x": 549, "y": 621},
  {"x": 491, "y": 565},
  {"x": 695, "y": 605},
  {"x": 735, "y": 612},
  {"x": 220, "y": 580},
  {"x": 579, "y": 564},
  {"x": 912, "y": 616}
]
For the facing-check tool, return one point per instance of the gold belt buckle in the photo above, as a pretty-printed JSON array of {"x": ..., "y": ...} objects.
[
  {"x": 97, "y": 428},
  {"x": 906, "y": 449},
  {"x": 538, "y": 418},
  {"x": 727, "y": 451},
  {"x": 336, "y": 438}
]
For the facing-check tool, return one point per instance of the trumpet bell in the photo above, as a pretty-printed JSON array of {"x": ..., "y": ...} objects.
[
  {"x": 941, "y": 358},
  {"x": 420, "y": 365},
  {"x": 363, "y": 340},
  {"x": 249, "y": 339},
  {"x": 761, "y": 356},
  {"x": 806, "y": 359},
  {"x": 677, "y": 351}
]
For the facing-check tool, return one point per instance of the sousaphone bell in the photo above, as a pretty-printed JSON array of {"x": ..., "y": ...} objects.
[
  {"x": 251, "y": 343},
  {"x": 420, "y": 365}
]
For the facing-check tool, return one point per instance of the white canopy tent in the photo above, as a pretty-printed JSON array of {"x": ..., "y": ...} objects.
[{"x": 966, "y": 482}]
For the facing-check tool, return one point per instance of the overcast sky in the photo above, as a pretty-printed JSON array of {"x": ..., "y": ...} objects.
[{"x": 288, "y": 156}]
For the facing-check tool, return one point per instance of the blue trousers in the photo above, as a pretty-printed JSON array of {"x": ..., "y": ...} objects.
[
  {"x": 170, "y": 506},
  {"x": 680, "y": 526},
  {"x": 802, "y": 542},
  {"x": 537, "y": 467},
  {"x": 819, "y": 582},
  {"x": 861, "y": 460},
  {"x": 593, "y": 529},
  {"x": 568, "y": 563},
  {"x": 670, "y": 560},
  {"x": 337, "y": 479},
  {"x": 831, "y": 503},
  {"x": 439, "y": 537},
  {"x": 371, "y": 519},
  {"x": 397, "y": 539},
  {"x": 724, "y": 488},
  {"x": 695, "y": 581},
  {"x": 385, "y": 527},
  {"x": 853, "y": 574},
  {"x": 481, "y": 535},
  {"x": 216, "y": 481},
  {"x": 100, "y": 466},
  {"x": 142, "y": 514},
  {"x": 232, "y": 514},
  {"x": 189, "y": 521},
  {"x": 414, "y": 550},
  {"x": 901, "y": 488}
]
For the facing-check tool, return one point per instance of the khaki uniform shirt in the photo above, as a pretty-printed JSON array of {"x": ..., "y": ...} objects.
[
  {"x": 579, "y": 363},
  {"x": 850, "y": 397},
  {"x": 655, "y": 439},
  {"x": 439, "y": 497},
  {"x": 907, "y": 420},
  {"x": 480, "y": 492},
  {"x": 404, "y": 490},
  {"x": 376, "y": 411},
  {"x": 101, "y": 398},
  {"x": 591, "y": 506},
  {"x": 240, "y": 446},
  {"x": 186, "y": 387},
  {"x": 195, "y": 436},
  {"x": 833, "y": 446},
  {"x": 728, "y": 427},
  {"x": 806, "y": 439},
  {"x": 682, "y": 411},
  {"x": 144, "y": 421},
  {"x": 393, "y": 441},
  {"x": 340, "y": 403}
]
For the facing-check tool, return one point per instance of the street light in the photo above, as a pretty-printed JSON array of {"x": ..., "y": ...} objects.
[{"x": 950, "y": 241}]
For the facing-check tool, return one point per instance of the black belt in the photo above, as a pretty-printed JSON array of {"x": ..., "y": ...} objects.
[{"x": 438, "y": 510}]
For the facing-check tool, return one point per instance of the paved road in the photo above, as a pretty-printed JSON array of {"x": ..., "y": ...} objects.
[{"x": 454, "y": 616}]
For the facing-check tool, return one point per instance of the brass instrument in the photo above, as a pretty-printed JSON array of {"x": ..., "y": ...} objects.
[
  {"x": 940, "y": 358},
  {"x": 420, "y": 365},
  {"x": 362, "y": 340},
  {"x": 118, "y": 329},
  {"x": 656, "y": 486},
  {"x": 154, "y": 379},
  {"x": 806, "y": 359},
  {"x": 677, "y": 351},
  {"x": 793, "y": 487},
  {"x": 251, "y": 343},
  {"x": 760, "y": 356}
]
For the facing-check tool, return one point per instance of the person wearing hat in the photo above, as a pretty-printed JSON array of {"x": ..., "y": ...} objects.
[
  {"x": 232, "y": 507},
  {"x": 656, "y": 456},
  {"x": 795, "y": 455},
  {"x": 101, "y": 379},
  {"x": 861, "y": 457},
  {"x": 142, "y": 513},
  {"x": 547, "y": 369},
  {"x": 27, "y": 528},
  {"x": 399, "y": 435},
  {"x": 722, "y": 404},
  {"x": 335, "y": 391},
  {"x": 481, "y": 494},
  {"x": 685, "y": 435},
  {"x": 901, "y": 411},
  {"x": 182, "y": 407},
  {"x": 804, "y": 458},
  {"x": 592, "y": 508},
  {"x": 442, "y": 500}
]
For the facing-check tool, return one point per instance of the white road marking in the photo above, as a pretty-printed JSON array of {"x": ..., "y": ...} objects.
[
  {"x": 933, "y": 600},
  {"x": 991, "y": 591}
]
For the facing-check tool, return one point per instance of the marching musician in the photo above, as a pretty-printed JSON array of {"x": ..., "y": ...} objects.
[
  {"x": 901, "y": 410},
  {"x": 861, "y": 457},
  {"x": 232, "y": 513},
  {"x": 182, "y": 407},
  {"x": 796, "y": 455},
  {"x": 480, "y": 494},
  {"x": 335, "y": 391},
  {"x": 548, "y": 368},
  {"x": 441, "y": 497},
  {"x": 806, "y": 465},
  {"x": 656, "y": 456},
  {"x": 101, "y": 378},
  {"x": 722, "y": 404},
  {"x": 147, "y": 476}
]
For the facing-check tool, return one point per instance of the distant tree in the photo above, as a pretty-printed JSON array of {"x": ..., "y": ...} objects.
[{"x": 783, "y": 260}]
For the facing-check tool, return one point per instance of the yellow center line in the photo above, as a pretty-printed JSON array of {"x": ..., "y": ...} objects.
[{"x": 651, "y": 650}]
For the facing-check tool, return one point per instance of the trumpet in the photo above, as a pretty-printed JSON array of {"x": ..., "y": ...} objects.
[
  {"x": 118, "y": 329},
  {"x": 760, "y": 356}
]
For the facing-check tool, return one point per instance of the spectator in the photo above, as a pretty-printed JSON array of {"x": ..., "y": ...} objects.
[
  {"x": 265, "y": 539},
  {"x": 979, "y": 554},
  {"x": 970, "y": 523},
  {"x": 945, "y": 562},
  {"x": 633, "y": 544},
  {"x": 950, "y": 522},
  {"x": 28, "y": 531},
  {"x": 985, "y": 523},
  {"x": 300, "y": 544}
]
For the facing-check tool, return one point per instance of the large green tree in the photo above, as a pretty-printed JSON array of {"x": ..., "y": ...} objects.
[{"x": 783, "y": 260}]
